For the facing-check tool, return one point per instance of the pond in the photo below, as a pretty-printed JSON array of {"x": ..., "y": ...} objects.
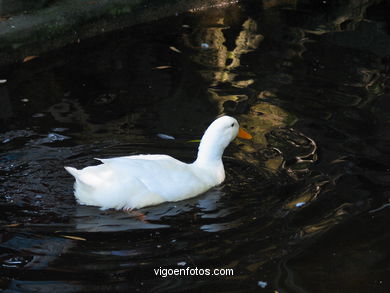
[{"x": 305, "y": 205}]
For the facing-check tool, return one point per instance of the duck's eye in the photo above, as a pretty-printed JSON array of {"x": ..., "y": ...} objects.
[{"x": 232, "y": 125}]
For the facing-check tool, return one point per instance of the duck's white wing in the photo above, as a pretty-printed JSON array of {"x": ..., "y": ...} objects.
[
  {"x": 161, "y": 174},
  {"x": 136, "y": 181}
]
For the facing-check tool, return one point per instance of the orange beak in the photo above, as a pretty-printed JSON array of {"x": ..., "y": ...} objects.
[{"x": 243, "y": 134}]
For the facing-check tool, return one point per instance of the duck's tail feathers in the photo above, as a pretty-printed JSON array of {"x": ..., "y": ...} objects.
[
  {"x": 82, "y": 189},
  {"x": 73, "y": 171},
  {"x": 79, "y": 176},
  {"x": 87, "y": 179}
]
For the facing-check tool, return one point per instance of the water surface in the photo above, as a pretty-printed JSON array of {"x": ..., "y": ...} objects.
[{"x": 305, "y": 204}]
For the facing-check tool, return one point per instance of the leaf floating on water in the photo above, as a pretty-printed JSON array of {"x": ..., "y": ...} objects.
[
  {"x": 12, "y": 225},
  {"x": 165, "y": 136},
  {"x": 163, "y": 67},
  {"x": 266, "y": 94},
  {"x": 74, "y": 237},
  {"x": 29, "y": 58},
  {"x": 174, "y": 49},
  {"x": 342, "y": 159},
  {"x": 194, "y": 140}
]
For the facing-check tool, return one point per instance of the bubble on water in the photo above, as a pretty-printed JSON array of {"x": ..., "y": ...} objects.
[
  {"x": 14, "y": 262},
  {"x": 38, "y": 115},
  {"x": 60, "y": 129},
  {"x": 165, "y": 136}
]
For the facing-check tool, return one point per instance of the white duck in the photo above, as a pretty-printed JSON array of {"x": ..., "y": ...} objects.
[{"x": 144, "y": 180}]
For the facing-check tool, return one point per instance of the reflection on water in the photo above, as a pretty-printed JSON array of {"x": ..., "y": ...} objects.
[{"x": 304, "y": 206}]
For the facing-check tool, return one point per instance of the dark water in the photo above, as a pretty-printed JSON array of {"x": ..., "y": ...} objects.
[{"x": 305, "y": 206}]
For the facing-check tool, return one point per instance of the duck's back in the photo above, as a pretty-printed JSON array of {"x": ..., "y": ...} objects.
[{"x": 137, "y": 181}]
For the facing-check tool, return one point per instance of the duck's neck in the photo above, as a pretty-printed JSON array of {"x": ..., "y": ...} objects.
[{"x": 210, "y": 151}]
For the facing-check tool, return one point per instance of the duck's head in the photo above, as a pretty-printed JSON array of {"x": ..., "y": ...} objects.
[
  {"x": 218, "y": 136},
  {"x": 226, "y": 128}
]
